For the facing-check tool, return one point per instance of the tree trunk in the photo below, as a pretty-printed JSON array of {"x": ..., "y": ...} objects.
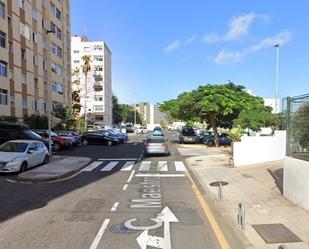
[
  {"x": 85, "y": 102},
  {"x": 213, "y": 124}
]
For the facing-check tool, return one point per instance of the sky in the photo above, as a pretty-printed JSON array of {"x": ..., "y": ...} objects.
[{"x": 161, "y": 48}]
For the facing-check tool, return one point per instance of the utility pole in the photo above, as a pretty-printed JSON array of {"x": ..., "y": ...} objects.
[{"x": 277, "y": 46}]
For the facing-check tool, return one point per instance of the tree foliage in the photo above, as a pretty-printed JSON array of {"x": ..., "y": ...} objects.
[
  {"x": 36, "y": 121},
  {"x": 300, "y": 126},
  {"x": 66, "y": 117},
  {"x": 11, "y": 119}
]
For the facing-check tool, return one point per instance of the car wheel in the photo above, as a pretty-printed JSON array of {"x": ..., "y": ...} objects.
[
  {"x": 109, "y": 143},
  {"x": 85, "y": 142},
  {"x": 23, "y": 167},
  {"x": 57, "y": 146},
  {"x": 211, "y": 143},
  {"x": 46, "y": 159}
]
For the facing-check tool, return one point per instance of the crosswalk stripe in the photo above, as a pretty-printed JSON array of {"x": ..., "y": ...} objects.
[
  {"x": 162, "y": 166},
  {"x": 92, "y": 166},
  {"x": 110, "y": 166},
  {"x": 145, "y": 166},
  {"x": 128, "y": 166},
  {"x": 180, "y": 166}
]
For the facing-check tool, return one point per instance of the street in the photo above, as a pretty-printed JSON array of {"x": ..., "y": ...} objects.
[{"x": 119, "y": 200}]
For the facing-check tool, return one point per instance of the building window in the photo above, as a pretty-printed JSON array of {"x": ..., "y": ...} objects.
[
  {"x": 60, "y": 88},
  {"x": 36, "y": 83},
  {"x": 59, "y": 52},
  {"x": 24, "y": 103},
  {"x": 54, "y": 87},
  {"x": 45, "y": 44},
  {"x": 98, "y": 58},
  {"x": 2, "y": 9},
  {"x": 3, "y": 69},
  {"x": 43, "y": 23},
  {"x": 53, "y": 48},
  {"x": 57, "y": 69},
  {"x": 52, "y": 8},
  {"x": 44, "y": 65},
  {"x": 23, "y": 54},
  {"x": 76, "y": 51},
  {"x": 76, "y": 61},
  {"x": 2, "y": 39},
  {"x": 34, "y": 15},
  {"x": 35, "y": 60},
  {"x": 58, "y": 33},
  {"x": 35, "y": 37},
  {"x": 98, "y": 108},
  {"x": 98, "y": 68},
  {"x": 3, "y": 97},
  {"x": 98, "y": 47},
  {"x": 22, "y": 4},
  {"x": 58, "y": 14},
  {"x": 52, "y": 27},
  {"x": 45, "y": 106},
  {"x": 98, "y": 97}
]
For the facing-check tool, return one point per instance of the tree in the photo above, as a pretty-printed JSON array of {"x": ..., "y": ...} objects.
[
  {"x": 66, "y": 117},
  {"x": 76, "y": 101},
  {"x": 86, "y": 69},
  {"x": 300, "y": 126},
  {"x": 36, "y": 121},
  {"x": 11, "y": 119},
  {"x": 117, "y": 117}
]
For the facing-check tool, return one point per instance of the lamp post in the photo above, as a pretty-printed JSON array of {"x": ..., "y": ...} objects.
[
  {"x": 277, "y": 46},
  {"x": 49, "y": 106},
  {"x": 134, "y": 110}
]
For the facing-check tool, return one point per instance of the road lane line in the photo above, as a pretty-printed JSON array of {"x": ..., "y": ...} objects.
[
  {"x": 127, "y": 166},
  {"x": 159, "y": 175},
  {"x": 117, "y": 159},
  {"x": 99, "y": 235},
  {"x": 145, "y": 166},
  {"x": 125, "y": 187},
  {"x": 113, "y": 209},
  {"x": 110, "y": 166},
  {"x": 162, "y": 166},
  {"x": 208, "y": 213},
  {"x": 92, "y": 166},
  {"x": 131, "y": 176},
  {"x": 180, "y": 166}
]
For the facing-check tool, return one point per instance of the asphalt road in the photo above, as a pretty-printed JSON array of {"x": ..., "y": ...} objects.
[{"x": 121, "y": 200}]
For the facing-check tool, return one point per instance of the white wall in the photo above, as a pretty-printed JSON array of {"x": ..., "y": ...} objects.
[
  {"x": 296, "y": 181},
  {"x": 253, "y": 150}
]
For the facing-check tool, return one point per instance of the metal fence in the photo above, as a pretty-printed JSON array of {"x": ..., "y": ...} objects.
[{"x": 295, "y": 112}]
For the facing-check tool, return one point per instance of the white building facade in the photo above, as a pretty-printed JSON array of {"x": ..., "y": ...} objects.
[{"x": 96, "y": 93}]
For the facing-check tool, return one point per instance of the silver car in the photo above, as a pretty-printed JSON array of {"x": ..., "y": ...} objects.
[
  {"x": 19, "y": 155},
  {"x": 156, "y": 145}
]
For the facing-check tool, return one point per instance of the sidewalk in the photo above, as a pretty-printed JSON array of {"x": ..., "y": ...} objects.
[
  {"x": 255, "y": 187},
  {"x": 59, "y": 167}
]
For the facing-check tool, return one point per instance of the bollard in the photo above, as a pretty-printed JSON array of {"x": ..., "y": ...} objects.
[
  {"x": 282, "y": 247},
  {"x": 220, "y": 192},
  {"x": 241, "y": 218}
]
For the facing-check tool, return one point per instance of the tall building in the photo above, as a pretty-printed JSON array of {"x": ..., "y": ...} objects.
[
  {"x": 150, "y": 113},
  {"x": 34, "y": 55},
  {"x": 97, "y": 96}
]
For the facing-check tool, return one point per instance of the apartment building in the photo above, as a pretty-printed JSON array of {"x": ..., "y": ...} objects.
[
  {"x": 34, "y": 55},
  {"x": 150, "y": 113},
  {"x": 96, "y": 93}
]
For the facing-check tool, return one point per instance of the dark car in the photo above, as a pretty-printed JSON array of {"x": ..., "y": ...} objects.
[
  {"x": 223, "y": 140},
  {"x": 129, "y": 128},
  {"x": 75, "y": 137},
  {"x": 99, "y": 137},
  {"x": 188, "y": 135},
  {"x": 11, "y": 131},
  {"x": 59, "y": 142},
  {"x": 122, "y": 136}
]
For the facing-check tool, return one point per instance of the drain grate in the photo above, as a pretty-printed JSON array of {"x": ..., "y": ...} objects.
[
  {"x": 122, "y": 229},
  {"x": 216, "y": 184},
  {"x": 276, "y": 233}
]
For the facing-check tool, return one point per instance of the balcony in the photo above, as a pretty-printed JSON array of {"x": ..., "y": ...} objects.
[
  {"x": 98, "y": 77},
  {"x": 98, "y": 87}
]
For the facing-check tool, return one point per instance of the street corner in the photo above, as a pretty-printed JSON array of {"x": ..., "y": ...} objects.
[{"x": 60, "y": 168}]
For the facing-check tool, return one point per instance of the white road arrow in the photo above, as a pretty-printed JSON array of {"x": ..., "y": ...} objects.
[{"x": 144, "y": 240}]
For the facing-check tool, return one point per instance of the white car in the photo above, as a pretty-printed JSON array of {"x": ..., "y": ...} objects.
[
  {"x": 19, "y": 155},
  {"x": 141, "y": 130}
]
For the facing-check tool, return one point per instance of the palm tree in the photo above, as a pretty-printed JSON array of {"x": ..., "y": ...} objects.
[{"x": 86, "y": 68}]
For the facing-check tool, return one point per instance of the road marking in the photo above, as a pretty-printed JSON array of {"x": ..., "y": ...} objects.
[
  {"x": 128, "y": 166},
  {"x": 113, "y": 209},
  {"x": 131, "y": 176},
  {"x": 99, "y": 235},
  {"x": 92, "y": 166},
  {"x": 162, "y": 166},
  {"x": 145, "y": 166},
  {"x": 110, "y": 166},
  {"x": 117, "y": 159},
  {"x": 159, "y": 175},
  {"x": 125, "y": 187},
  {"x": 140, "y": 157},
  {"x": 180, "y": 166},
  {"x": 212, "y": 221},
  {"x": 134, "y": 144}
]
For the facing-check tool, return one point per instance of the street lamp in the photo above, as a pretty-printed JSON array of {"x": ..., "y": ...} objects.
[
  {"x": 277, "y": 46},
  {"x": 49, "y": 106},
  {"x": 134, "y": 110}
]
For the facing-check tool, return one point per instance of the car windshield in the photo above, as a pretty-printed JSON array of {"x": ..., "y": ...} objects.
[
  {"x": 155, "y": 141},
  {"x": 14, "y": 147},
  {"x": 32, "y": 135},
  {"x": 188, "y": 132},
  {"x": 157, "y": 133}
]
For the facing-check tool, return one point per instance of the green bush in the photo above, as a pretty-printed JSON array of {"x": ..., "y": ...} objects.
[{"x": 11, "y": 119}]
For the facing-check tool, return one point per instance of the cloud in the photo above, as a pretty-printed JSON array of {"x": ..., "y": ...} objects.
[
  {"x": 225, "y": 57},
  {"x": 238, "y": 27},
  {"x": 191, "y": 39},
  {"x": 172, "y": 46}
]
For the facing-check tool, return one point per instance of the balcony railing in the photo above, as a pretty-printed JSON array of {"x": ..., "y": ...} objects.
[{"x": 98, "y": 87}]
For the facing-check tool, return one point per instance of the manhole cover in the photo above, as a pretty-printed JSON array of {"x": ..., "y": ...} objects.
[
  {"x": 121, "y": 228},
  {"x": 216, "y": 184},
  {"x": 276, "y": 233}
]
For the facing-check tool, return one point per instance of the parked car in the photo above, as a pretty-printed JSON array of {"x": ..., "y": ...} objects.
[
  {"x": 223, "y": 140},
  {"x": 11, "y": 131},
  {"x": 157, "y": 133},
  {"x": 188, "y": 135},
  {"x": 59, "y": 142},
  {"x": 155, "y": 145},
  {"x": 121, "y": 136},
  {"x": 19, "y": 155},
  {"x": 141, "y": 130},
  {"x": 73, "y": 136},
  {"x": 99, "y": 137},
  {"x": 129, "y": 128}
]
